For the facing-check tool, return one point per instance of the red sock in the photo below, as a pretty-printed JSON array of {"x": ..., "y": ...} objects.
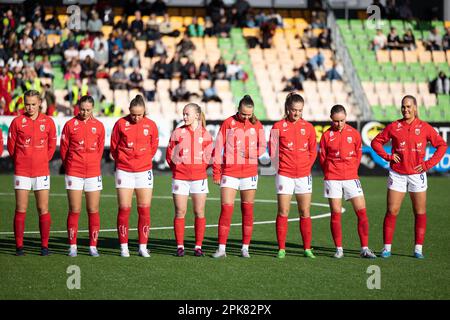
[
  {"x": 389, "y": 227},
  {"x": 336, "y": 229},
  {"x": 247, "y": 222},
  {"x": 19, "y": 227},
  {"x": 226, "y": 214},
  {"x": 178, "y": 226},
  {"x": 200, "y": 226},
  {"x": 420, "y": 227},
  {"x": 122, "y": 224},
  {"x": 45, "y": 222},
  {"x": 72, "y": 226},
  {"x": 94, "y": 228},
  {"x": 306, "y": 231},
  {"x": 282, "y": 228},
  {"x": 143, "y": 224},
  {"x": 363, "y": 227}
]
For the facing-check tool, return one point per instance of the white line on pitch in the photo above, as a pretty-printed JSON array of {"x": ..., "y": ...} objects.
[{"x": 171, "y": 227}]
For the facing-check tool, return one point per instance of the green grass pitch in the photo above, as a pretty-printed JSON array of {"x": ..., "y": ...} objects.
[{"x": 165, "y": 276}]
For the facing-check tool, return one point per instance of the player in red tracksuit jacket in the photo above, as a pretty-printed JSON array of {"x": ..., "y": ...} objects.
[
  {"x": 31, "y": 145},
  {"x": 134, "y": 142},
  {"x": 239, "y": 143},
  {"x": 81, "y": 148},
  {"x": 340, "y": 157},
  {"x": 293, "y": 147},
  {"x": 188, "y": 156},
  {"x": 409, "y": 137}
]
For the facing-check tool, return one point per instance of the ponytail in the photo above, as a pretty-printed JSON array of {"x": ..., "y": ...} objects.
[
  {"x": 203, "y": 119},
  {"x": 198, "y": 110},
  {"x": 138, "y": 101},
  {"x": 292, "y": 98},
  {"x": 247, "y": 101}
]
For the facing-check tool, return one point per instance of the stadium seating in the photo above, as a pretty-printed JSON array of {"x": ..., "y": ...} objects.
[{"x": 390, "y": 74}]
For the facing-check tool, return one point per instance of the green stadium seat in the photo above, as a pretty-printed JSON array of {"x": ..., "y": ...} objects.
[
  {"x": 392, "y": 113},
  {"x": 378, "y": 113},
  {"x": 444, "y": 100}
]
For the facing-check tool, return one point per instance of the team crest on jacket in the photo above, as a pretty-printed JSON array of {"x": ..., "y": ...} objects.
[
  {"x": 145, "y": 132},
  {"x": 252, "y": 131},
  {"x": 42, "y": 127},
  {"x": 127, "y": 124},
  {"x": 417, "y": 131},
  {"x": 76, "y": 122},
  {"x": 285, "y": 125},
  {"x": 302, "y": 131},
  {"x": 349, "y": 139},
  {"x": 200, "y": 140},
  {"x": 331, "y": 133},
  {"x": 94, "y": 130}
]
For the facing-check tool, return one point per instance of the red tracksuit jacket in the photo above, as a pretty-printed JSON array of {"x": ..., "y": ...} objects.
[
  {"x": 238, "y": 145},
  {"x": 189, "y": 153},
  {"x": 296, "y": 146},
  {"x": 31, "y": 144},
  {"x": 81, "y": 147},
  {"x": 340, "y": 153},
  {"x": 133, "y": 145},
  {"x": 409, "y": 141}
]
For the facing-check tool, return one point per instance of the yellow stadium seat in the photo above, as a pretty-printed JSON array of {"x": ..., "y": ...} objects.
[
  {"x": 439, "y": 56},
  {"x": 382, "y": 56},
  {"x": 397, "y": 56},
  {"x": 411, "y": 56},
  {"x": 425, "y": 57}
]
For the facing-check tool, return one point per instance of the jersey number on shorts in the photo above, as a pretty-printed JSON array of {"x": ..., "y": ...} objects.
[
  {"x": 150, "y": 175},
  {"x": 422, "y": 177}
]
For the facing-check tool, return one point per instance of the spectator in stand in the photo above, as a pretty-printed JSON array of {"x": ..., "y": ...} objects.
[
  {"x": 405, "y": 11},
  {"x": 308, "y": 39},
  {"x": 189, "y": 70},
  {"x": 242, "y": 7},
  {"x": 222, "y": 29},
  {"x": 379, "y": 42},
  {"x": 159, "y": 7},
  {"x": 317, "y": 61},
  {"x": 204, "y": 71},
  {"x": 159, "y": 48},
  {"x": 69, "y": 42},
  {"x": 121, "y": 24},
  {"x": 44, "y": 68},
  {"x": 211, "y": 93},
  {"x": 324, "y": 39},
  {"x": 233, "y": 70},
  {"x": 209, "y": 27},
  {"x": 48, "y": 101},
  {"x": 108, "y": 15},
  {"x": 194, "y": 29},
  {"x": 440, "y": 85},
  {"x": 85, "y": 52},
  {"x": 220, "y": 70},
  {"x": 391, "y": 10},
  {"x": 88, "y": 67},
  {"x": 137, "y": 25},
  {"x": 409, "y": 41},
  {"x": 131, "y": 59},
  {"x": 215, "y": 10},
  {"x": 434, "y": 40},
  {"x": 115, "y": 56},
  {"x": 335, "y": 73},
  {"x": 119, "y": 79},
  {"x": 94, "y": 24},
  {"x": 267, "y": 31},
  {"x": 166, "y": 28},
  {"x": 185, "y": 47},
  {"x": 276, "y": 18},
  {"x": 152, "y": 28},
  {"x": 41, "y": 46},
  {"x": 446, "y": 39},
  {"x": 136, "y": 81},
  {"x": 161, "y": 69},
  {"x": 181, "y": 93},
  {"x": 15, "y": 61},
  {"x": 393, "y": 40},
  {"x": 101, "y": 56},
  {"x": 317, "y": 22},
  {"x": 306, "y": 72},
  {"x": 176, "y": 66},
  {"x": 128, "y": 42}
]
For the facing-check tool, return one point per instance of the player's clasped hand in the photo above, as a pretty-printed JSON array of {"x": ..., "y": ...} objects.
[
  {"x": 419, "y": 169},
  {"x": 217, "y": 181}
]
